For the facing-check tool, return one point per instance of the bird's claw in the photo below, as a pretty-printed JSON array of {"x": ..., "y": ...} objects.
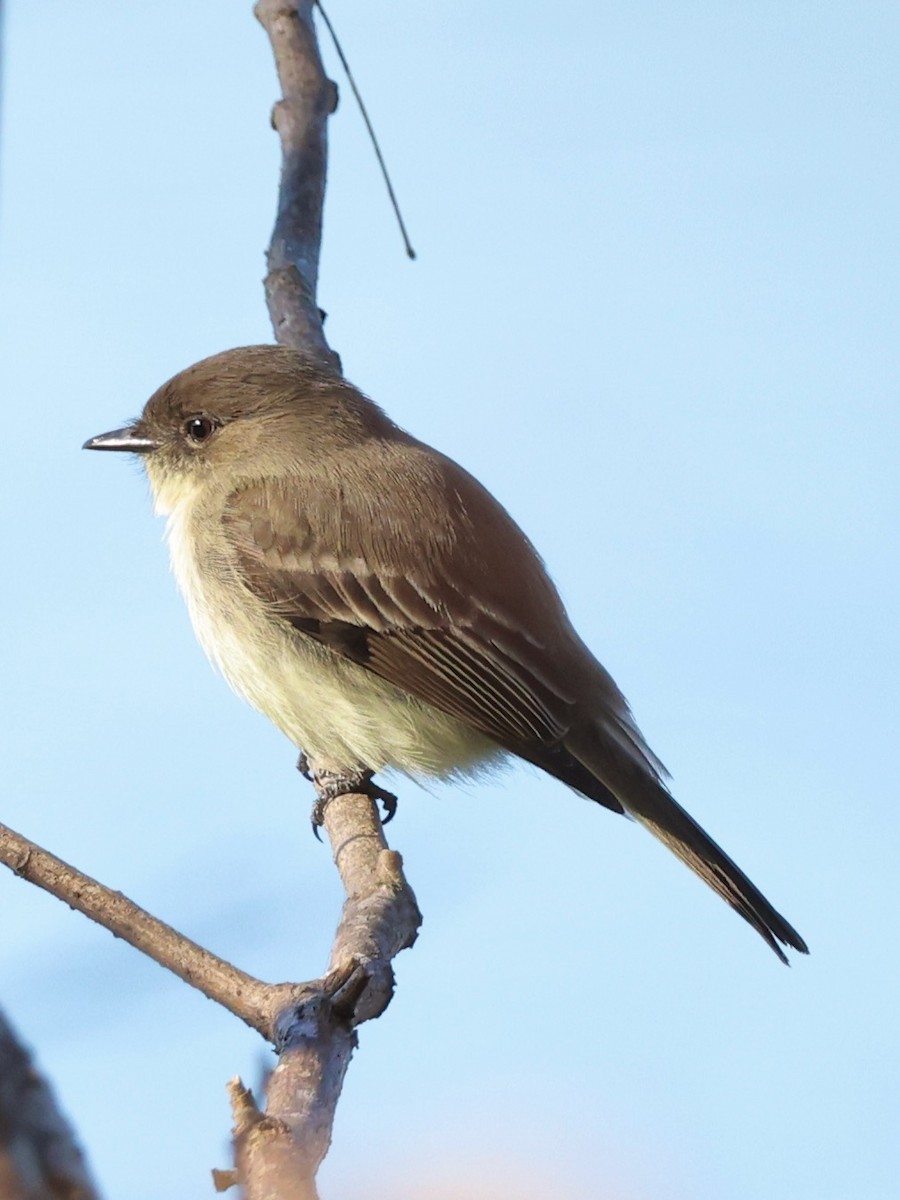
[
  {"x": 330, "y": 784},
  {"x": 388, "y": 801}
]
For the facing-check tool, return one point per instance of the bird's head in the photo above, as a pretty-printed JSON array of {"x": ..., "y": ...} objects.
[{"x": 243, "y": 414}]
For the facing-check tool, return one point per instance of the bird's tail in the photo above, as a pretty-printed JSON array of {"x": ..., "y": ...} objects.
[{"x": 620, "y": 760}]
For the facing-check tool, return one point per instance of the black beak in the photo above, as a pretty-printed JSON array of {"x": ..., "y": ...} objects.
[{"x": 121, "y": 439}]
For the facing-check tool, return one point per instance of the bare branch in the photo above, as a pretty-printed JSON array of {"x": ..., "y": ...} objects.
[
  {"x": 379, "y": 919},
  {"x": 278, "y": 1153},
  {"x": 300, "y": 118},
  {"x": 241, "y": 994},
  {"x": 312, "y": 1025},
  {"x": 39, "y": 1158}
]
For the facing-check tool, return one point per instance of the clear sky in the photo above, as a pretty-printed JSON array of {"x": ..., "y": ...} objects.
[{"x": 655, "y": 311}]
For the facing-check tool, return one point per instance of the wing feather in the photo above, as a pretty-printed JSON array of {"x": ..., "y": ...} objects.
[{"x": 421, "y": 630}]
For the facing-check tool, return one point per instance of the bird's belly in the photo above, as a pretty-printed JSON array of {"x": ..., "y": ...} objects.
[{"x": 340, "y": 714}]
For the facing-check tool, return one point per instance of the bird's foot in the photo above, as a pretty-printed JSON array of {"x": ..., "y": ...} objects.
[{"x": 331, "y": 784}]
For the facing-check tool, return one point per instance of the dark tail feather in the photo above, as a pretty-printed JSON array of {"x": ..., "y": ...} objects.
[
  {"x": 665, "y": 818},
  {"x": 645, "y": 798}
]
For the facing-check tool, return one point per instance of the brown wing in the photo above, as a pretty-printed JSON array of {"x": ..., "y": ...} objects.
[{"x": 389, "y": 579}]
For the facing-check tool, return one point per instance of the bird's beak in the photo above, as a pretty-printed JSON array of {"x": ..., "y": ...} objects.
[{"x": 121, "y": 439}]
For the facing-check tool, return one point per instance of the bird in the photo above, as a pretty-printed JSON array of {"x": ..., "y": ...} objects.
[{"x": 381, "y": 607}]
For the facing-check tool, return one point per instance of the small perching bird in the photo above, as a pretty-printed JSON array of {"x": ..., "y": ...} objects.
[{"x": 380, "y": 607}]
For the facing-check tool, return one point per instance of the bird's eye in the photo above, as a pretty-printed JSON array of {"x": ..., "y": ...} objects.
[{"x": 198, "y": 429}]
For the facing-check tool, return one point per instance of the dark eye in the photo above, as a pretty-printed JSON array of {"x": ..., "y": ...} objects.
[{"x": 198, "y": 429}]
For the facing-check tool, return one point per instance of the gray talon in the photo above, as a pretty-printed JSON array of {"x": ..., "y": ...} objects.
[{"x": 330, "y": 784}]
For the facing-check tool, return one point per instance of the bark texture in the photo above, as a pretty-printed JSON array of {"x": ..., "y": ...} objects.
[{"x": 39, "y": 1157}]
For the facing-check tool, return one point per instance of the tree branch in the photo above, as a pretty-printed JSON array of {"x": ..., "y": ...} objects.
[
  {"x": 279, "y": 1153},
  {"x": 311, "y": 1024},
  {"x": 300, "y": 118},
  {"x": 379, "y": 919},
  {"x": 241, "y": 994},
  {"x": 39, "y": 1158}
]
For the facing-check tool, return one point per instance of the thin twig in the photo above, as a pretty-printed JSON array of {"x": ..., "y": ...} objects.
[{"x": 372, "y": 137}]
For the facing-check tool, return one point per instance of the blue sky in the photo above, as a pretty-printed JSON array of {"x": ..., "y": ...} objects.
[{"x": 655, "y": 311}]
